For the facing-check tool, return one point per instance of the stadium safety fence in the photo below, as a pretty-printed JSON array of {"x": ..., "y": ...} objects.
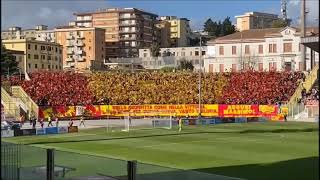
[{"x": 27, "y": 162}]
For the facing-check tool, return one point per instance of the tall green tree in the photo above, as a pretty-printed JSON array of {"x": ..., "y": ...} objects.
[
  {"x": 227, "y": 26},
  {"x": 280, "y": 23},
  {"x": 218, "y": 29},
  {"x": 155, "y": 50},
  {"x": 8, "y": 62},
  {"x": 185, "y": 65}
]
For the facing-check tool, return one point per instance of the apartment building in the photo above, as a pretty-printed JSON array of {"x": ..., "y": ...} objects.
[
  {"x": 271, "y": 49},
  {"x": 126, "y": 29},
  {"x": 172, "y": 56},
  {"x": 180, "y": 31},
  {"x": 83, "y": 48},
  {"x": 255, "y": 20},
  {"x": 19, "y": 33},
  {"x": 163, "y": 35},
  {"x": 37, "y": 55}
]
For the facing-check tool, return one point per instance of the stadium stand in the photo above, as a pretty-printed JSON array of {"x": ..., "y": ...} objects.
[{"x": 115, "y": 88}]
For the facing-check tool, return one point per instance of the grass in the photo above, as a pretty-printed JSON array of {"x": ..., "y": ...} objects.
[{"x": 257, "y": 151}]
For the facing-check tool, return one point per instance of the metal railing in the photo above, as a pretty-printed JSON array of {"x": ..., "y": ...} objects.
[
  {"x": 9, "y": 105},
  {"x": 312, "y": 77},
  {"x": 18, "y": 92}
]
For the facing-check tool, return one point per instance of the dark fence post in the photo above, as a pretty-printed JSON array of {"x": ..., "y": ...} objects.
[
  {"x": 50, "y": 164},
  {"x": 132, "y": 170}
]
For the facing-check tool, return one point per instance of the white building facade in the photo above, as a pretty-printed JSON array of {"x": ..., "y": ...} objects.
[{"x": 273, "y": 49}]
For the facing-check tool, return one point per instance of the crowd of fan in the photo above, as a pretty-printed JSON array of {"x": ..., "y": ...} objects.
[
  {"x": 311, "y": 96},
  {"x": 66, "y": 88},
  {"x": 260, "y": 87}
]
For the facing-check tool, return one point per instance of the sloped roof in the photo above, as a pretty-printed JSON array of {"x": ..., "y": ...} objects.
[{"x": 261, "y": 33}]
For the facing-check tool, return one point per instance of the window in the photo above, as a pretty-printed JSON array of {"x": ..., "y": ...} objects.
[
  {"x": 210, "y": 68},
  {"x": 29, "y": 56},
  {"x": 48, "y": 66},
  {"x": 29, "y": 65},
  {"x": 56, "y": 66},
  {"x": 49, "y": 48},
  {"x": 49, "y": 57},
  {"x": 190, "y": 53},
  {"x": 287, "y": 47},
  {"x": 29, "y": 46},
  {"x": 42, "y": 66},
  {"x": 144, "y": 54},
  {"x": 274, "y": 65},
  {"x": 36, "y": 56},
  {"x": 300, "y": 66},
  {"x": 274, "y": 48},
  {"x": 203, "y": 53},
  {"x": 56, "y": 58},
  {"x": 260, "y": 49},
  {"x": 89, "y": 48},
  {"x": 56, "y": 49},
  {"x": 234, "y": 50},
  {"x": 221, "y": 67},
  {"x": 196, "y": 53},
  {"x": 43, "y": 57},
  {"x": 260, "y": 66},
  {"x": 183, "y": 54},
  {"x": 234, "y": 67},
  {"x": 35, "y": 47},
  {"x": 89, "y": 40},
  {"x": 221, "y": 50},
  {"x": 36, "y": 66},
  {"x": 270, "y": 48},
  {"x": 43, "y": 48},
  {"x": 60, "y": 51},
  {"x": 246, "y": 49}
]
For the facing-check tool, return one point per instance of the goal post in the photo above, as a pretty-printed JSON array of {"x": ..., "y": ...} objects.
[{"x": 148, "y": 120}]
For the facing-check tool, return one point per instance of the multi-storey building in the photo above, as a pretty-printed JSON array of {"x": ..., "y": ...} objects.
[
  {"x": 37, "y": 55},
  {"x": 180, "y": 30},
  {"x": 126, "y": 29},
  {"x": 162, "y": 35},
  {"x": 83, "y": 48},
  {"x": 255, "y": 20},
  {"x": 19, "y": 33},
  {"x": 271, "y": 49}
]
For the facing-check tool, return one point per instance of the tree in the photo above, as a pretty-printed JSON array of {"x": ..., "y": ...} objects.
[
  {"x": 210, "y": 27},
  {"x": 155, "y": 50},
  {"x": 8, "y": 62},
  {"x": 227, "y": 27},
  {"x": 185, "y": 65},
  {"x": 167, "y": 69},
  {"x": 280, "y": 23},
  {"x": 218, "y": 29}
]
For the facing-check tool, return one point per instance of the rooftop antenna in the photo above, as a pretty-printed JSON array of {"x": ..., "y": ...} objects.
[{"x": 284, "y": 10}]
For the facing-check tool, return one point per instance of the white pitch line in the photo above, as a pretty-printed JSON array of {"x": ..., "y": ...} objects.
[{"x": 223, "y": 138}]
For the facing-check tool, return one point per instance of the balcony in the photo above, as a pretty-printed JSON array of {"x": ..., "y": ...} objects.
[
  {"x": 79, "y": 52},
  {"x": 69, "y": 37},
  {"x": 81, "y": 59},
  {"x": 69, "y": 51},
  {"x": 69, "y": 59},
  {"x": 127, "y": 24},
  {"x": 127, "y": 31},
  {"x": 128, "y": 17},
  {"x": 128, "y": 38},
  {"x": 79, "y": 43},
  {"x": 80, "y": 37}
]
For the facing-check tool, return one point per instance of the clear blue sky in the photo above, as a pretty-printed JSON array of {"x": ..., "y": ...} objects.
[{"x": 29, "y": 13}]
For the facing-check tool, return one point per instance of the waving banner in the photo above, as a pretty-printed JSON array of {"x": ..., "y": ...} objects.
[{"x": 207, "y": 110}]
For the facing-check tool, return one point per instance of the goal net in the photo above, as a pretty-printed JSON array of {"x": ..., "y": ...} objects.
[{"x": 148, "y": 120}]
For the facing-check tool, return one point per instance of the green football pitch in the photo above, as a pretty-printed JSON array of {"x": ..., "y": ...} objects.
[{"x": 257, "y": 151}]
